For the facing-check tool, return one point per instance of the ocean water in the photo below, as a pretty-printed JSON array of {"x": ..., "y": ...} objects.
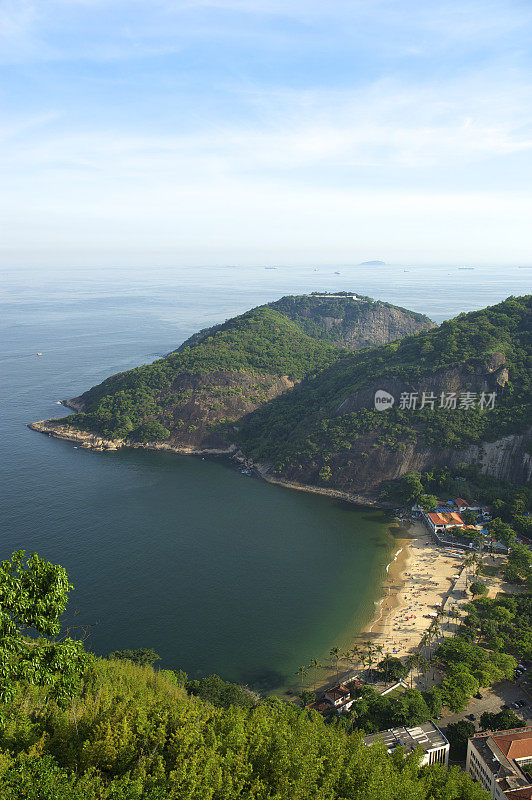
[{"x": 218, "y": 572}]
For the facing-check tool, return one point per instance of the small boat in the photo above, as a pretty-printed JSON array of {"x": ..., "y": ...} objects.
[{"x": 38, "y": 354}]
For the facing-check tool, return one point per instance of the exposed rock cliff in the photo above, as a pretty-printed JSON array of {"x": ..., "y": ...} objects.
[{"x": 352, "y": 321}]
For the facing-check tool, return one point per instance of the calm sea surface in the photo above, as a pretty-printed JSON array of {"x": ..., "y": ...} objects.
[{"x": 216, "y": 571}]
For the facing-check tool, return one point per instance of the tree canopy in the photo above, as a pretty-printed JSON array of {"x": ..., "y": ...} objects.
[{"x": 33, "y": 596}]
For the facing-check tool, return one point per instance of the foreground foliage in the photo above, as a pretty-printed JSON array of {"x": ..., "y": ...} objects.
[
  {"x": 133, "y": 733},
  {"x": 33, "y": 596}
]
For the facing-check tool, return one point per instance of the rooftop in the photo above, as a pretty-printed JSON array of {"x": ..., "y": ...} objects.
[
  {"x": 453, "y": 518},
  {"x": 428, "y": 736},
  {"x": 502, "y": 751},
  {"x": 338, "y": 692}
]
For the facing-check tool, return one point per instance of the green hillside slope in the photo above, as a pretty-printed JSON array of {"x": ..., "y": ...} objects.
[
  {"x": 332, "y": 416},
  {"x": 146, "y": 402},
  {"x": 348, "y": 322}
]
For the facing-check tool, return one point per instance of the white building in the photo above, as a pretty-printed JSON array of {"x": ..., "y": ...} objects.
[
  {"x": 340, "y": 697},
  {"x": 427, "y": 736},
  {"x": 502, "y": 763},
  {"x": 438, "y": 522}
]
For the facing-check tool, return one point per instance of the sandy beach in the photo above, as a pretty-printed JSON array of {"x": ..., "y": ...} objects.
[{"x": 419, "y": 579}]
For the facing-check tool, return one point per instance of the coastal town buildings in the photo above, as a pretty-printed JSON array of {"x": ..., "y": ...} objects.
[
  {"x": 502, "y": 763},
  {"x": 427, "y": 736}
]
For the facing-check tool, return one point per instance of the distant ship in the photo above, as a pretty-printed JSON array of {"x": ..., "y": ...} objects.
[
  {"x": 270, "y": 267},
  {"x": 466, "y": 267},
  {"x": 38, "y": 354}
]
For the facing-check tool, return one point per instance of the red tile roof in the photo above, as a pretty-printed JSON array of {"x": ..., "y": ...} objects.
[
  {"x": 515, "y": 745},
  {"x": 322, "y": 706},
  {"x": 338, "y": 692},
  {"x": 519, "y": 794},
  {"x": 446, "y": 519}
]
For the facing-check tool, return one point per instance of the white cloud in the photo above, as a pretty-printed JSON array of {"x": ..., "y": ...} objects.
[{"x": 293, "y": 169}]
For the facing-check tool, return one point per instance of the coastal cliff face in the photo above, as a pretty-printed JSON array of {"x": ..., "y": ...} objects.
[
  {"x": 368, "y": 460},
  {"x": 362, "y": 470},
  {"x": 343, "y": 320},
  {"x": 274, "y": 389},
  {"x": 350, "y": 323},
  {"x": 327, "y": 432}
]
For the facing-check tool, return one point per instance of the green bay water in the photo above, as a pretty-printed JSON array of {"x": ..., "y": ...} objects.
[{"x": 217, "y": 571}]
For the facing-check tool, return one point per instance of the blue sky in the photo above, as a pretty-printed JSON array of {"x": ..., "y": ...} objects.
[{"x": 252, "y": 131}]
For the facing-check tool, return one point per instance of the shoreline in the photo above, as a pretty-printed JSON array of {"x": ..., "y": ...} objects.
[
  {"x": 417, "y": 581},
  {"x": 91, "y": 441},
  {"x": 417, "y": 578}
]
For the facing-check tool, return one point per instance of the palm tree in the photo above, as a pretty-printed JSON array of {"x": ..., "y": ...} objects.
[
  {"x": 386, "y": 662},
  {"x": 369, "y": 655},
  {"x": 354, "y": 655},
  {"x": 423, "y": 665},
  {"x": 314, "y": 664},
  {"x": 334, "y": 652},
  {"x": 301, "y": 671},
  {"x": 413, "y": 661},
  {"x": 468, "y": 562}
]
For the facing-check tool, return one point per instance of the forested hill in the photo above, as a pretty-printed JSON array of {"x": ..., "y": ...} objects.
[
  {"x": 303, "y": 408},
  {"x": 225, "y": 372},
  {"x": 344, "y": 319},
  {"x": 327, "y": 431},
  {"x": 181, "y": 398}
]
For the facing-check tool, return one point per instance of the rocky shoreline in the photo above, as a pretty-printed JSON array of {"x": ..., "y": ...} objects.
[{"x": 91, "y": 441}]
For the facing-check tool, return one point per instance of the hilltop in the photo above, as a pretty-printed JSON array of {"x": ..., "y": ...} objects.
[{"x": 225, "y": 372}]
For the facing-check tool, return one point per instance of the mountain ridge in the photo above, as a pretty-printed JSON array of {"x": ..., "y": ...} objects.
[{"x": 299, "y": 407}]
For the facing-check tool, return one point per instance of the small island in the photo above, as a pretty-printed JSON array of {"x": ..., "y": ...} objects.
[{"x": 374, "y": 263}]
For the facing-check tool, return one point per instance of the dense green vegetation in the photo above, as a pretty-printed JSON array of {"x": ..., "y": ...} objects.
[
  {"x": 33, "y": 596},
  {"x": 501, "y": 625},
  {"x": 132, "y": 404},
  {"x": 511, "y": 505},
  {"x": 132, "y": 733},
  {"x": 373, "y": 712},
  {"x": 307, "y": 423},
  {"x": 123, "y": 731}
]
